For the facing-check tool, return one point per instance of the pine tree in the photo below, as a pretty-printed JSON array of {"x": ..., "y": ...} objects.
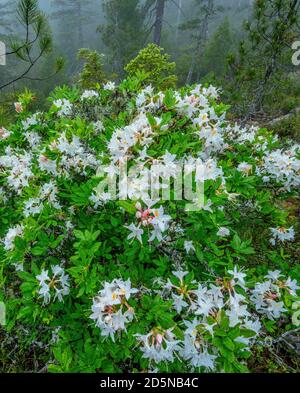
[
  {"x": 92, "y": 73},
  {"x": 33, "y": 45},
  {"x": 260, "y": 71}
]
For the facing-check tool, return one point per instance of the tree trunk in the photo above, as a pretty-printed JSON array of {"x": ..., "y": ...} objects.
[
  {"x": 179, "y": 13},
  {"x": 159, "y": 16},
  {"x": 80, "y": 30},
  {"x": 201, "y": 41}
]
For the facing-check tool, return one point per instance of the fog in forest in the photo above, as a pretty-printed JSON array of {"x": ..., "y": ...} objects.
[
  {"x": 243, "y": 46},
  {"x": 79, "y": 24}
]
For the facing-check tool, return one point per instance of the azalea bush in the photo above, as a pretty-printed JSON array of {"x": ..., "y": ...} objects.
[{"x": 131, "y": 284}]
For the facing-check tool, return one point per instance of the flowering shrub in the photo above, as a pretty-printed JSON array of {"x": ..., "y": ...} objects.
[{"x": 136, "y": 283}]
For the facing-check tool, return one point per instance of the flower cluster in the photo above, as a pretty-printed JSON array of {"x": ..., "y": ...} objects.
[
  {"x": 63, "y": 106},
  {"x": 56, "y": 285},
  {"x": 283, "y": 167},
  {"x": 282, "y": 234},
  {"x": 12, "y": 233},
  {"x": 48, "y": 193},
  {"x": 267, "y": 296},
  {"x": 203, "y": 309},
  {"x": 109, "y": 305},
  {"x": 159, "y": 345},
  {"x": 155, "y": 219},
  {"x": 18, "y": 169}
]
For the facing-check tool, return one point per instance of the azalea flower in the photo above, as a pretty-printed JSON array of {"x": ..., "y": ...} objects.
[
  {"x": 64, "y": 107},
  {"x": 195, "y": 348},
  {"x": 159, "y": 345},
  {"x": 110, "y": 310},
  {"x": 188, "y": 246},
  {"x": 12, "y": 233},
  {"x": 88, "y": 94},
  {"x": 282, "y": 234},
  {"x": 57, "y": 284},
  {"x": 245, "y": 168},
  {"x": 30, "y": 121},
  {"x": 109, "y": 86},
  {"x": 239, "y": 276},
  {"x": 223, "y": 232},
  {"x": 136, "y": 232},
  {"x": 4, "y": 133}
]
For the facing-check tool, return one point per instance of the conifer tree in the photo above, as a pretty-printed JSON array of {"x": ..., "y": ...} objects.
[
  {"x": 260, "y": 70},
  {"x": 31, "y": 46}
]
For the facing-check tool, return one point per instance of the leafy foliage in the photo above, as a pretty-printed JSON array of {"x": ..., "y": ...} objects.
[
  {"x": 92, "y": 73},
  {"x": 155, "y": 65},
  {"x": 133, "y": 285}
]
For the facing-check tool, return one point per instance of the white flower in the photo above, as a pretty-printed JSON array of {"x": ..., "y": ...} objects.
[
  {"x": 98, "y": 126},
  {"x": 179, "y": 304},
  {"x": 47, "y": 194},
  {"x": 159, "y": 345},
  {"x": 12, "y": 233},
  {"x": 282, "y": 234},
  {"x": 156, "y": 233},
  {"x": 236, "y": 313},
  {"x": 255, "y": 325},
  {"x": 47, "y": 165},
  {"x": 19, "y": 266},
  {"x": 108, "y": 307},
  {"x": 136, "y": 232},
  {"x": 57, "y": 284},
  {"x": 274, "y": 275},
  {"x": 33, "y": 138},
  {"x": 180, "y": 275},
  {"x": 65, "y": 107},
  {"x": 4, "y": 133},
  {"x": 239, "y": 276},
  {"x": 275, "y": 309},
  {"x": 109, "y": 86},
  {"x": 266, "y": 297},
  {"x": 169, "y": 158},
  {"x": 122, "y": 140},
  {"x": 188, "y": 246},
  {"x": 244, "y": 168},
  {"x": 32, "y": 206},
  {"x": 88, "y": 94},
  {"x": 30, "y": 121},
  {"x": 283, "y": 167},
  {"x": 125, "y": 288},
  {"x": 160, "y": 219},
  {"x": 100, "y": 199},
  {"x": 292, "y": 285},
  {"x": 19, "y": 169},
  {"x": 223, "y": 232},
  {"x": 195, "y": 349}
]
